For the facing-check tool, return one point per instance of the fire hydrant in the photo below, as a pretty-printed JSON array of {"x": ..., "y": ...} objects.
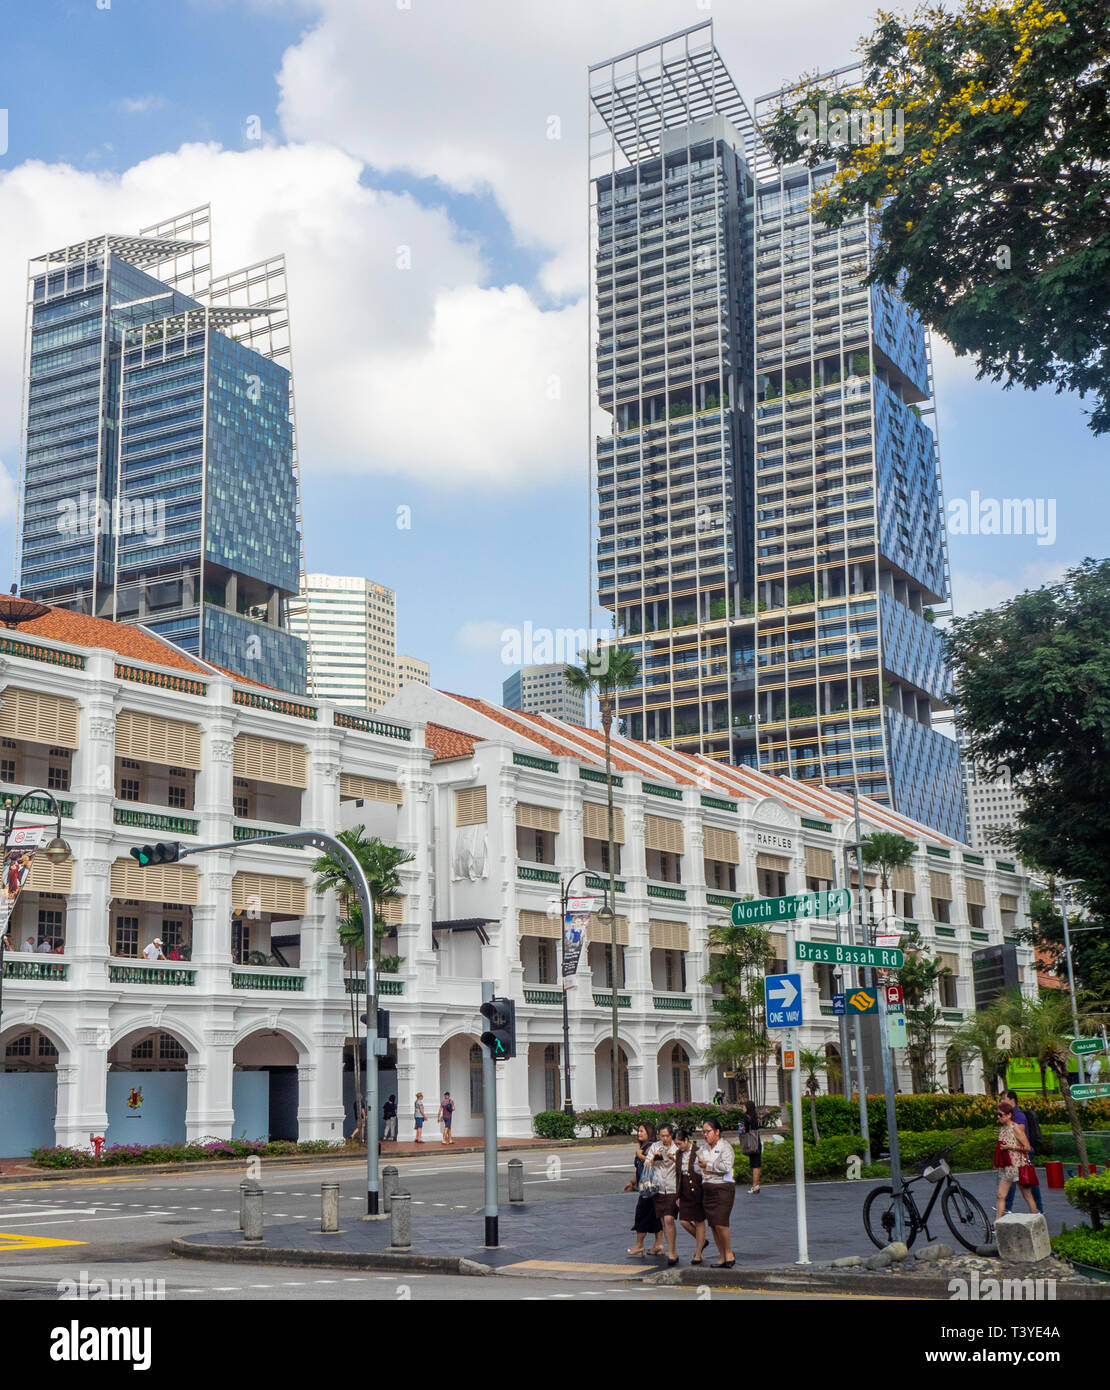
[{"x": 97, "y": 1143}]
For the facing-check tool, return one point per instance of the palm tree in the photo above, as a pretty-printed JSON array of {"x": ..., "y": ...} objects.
[
  {"x": 918, "y": 978},
  {"x": 811, "y": 1064},
  {"x": 380, "y": 863},
  {"x": 987, "y": 1036},
  {"x": 1043, "y": 1028},
  {"x": 740, "y": 1041},
  {"x": 603, "y": 674},
  {"x": 885, "y": 851}
]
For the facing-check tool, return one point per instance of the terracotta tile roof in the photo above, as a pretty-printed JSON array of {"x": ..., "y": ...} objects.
[
  {"x": 526, "y": 726},
  {"x": 448, "y": 743},
  {"x": 79, "y": 630}
]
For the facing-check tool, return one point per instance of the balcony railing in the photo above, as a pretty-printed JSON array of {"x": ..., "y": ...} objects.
[
  {"x": 149, "y": 975},
  {"x": 36, "y": 805},
  {"x": 540, "y": 764},
  {"x": 720, "y": 900},
  {"x": 542, "y": 996},
  {"x": 292, "y": 708},
  {"x": 258, "y": 832},
  {"x": 356, "y": 984},
  {"x": 155, "y": 820},
  {"x": 672, "y": 793},
  {"x": 605, "y": 1001},
  {"x": 718, "y": 803},
  {"x": 681, "y": 1003},
  {"x": 31, "y": 651},
  {"x": 530, "y": 875},
  {"x": 659, "y": 890},
  {"x": 34, "y": 969},
  {"x": 602, "y": 884},
  {"x": 371, "y": 726},
  {"x": 278, "y": 979},
  {"x": 161, "y": 680}
]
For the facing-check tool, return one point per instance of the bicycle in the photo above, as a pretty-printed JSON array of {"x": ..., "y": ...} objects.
[{"x": 966, "y": 1218}]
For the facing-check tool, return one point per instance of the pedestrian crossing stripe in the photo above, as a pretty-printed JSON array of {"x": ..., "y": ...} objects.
[{"x": 13, "y": 1243}]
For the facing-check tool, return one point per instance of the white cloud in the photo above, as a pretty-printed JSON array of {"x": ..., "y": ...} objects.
[
  {"x": 421, "y": 371},
  {"x": 139, "y": 106},
  {"x": 481, "y": 636},
  {"x": 975, "y": 592}
]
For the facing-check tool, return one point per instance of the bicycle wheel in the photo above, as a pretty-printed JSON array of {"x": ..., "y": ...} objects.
[
  {"x": 878, "y": 1217},
  {"x": 966, "y": 1219}
]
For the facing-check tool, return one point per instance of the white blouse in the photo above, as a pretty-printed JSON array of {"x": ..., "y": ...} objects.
[
  {"x": 663, "y": 1170},
  {"x": 718, "y": 1159}
]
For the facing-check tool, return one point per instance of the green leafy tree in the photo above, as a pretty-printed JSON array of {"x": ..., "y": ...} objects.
[
  {"x": 1090, "y": 944},
  {"x": 1032, "y": 694},
  {"x": 886, "y": 851},
  {"x": 381, "y": 864},
  {"x": 991, "y": 205},
  {"x": 811, "y": 1064},
  {"x": 986, "y": 1035},
  {"x": 604, "y": 673},
  {"x": 738, "y": 1031},
  {"x": 919, "y": 977}
]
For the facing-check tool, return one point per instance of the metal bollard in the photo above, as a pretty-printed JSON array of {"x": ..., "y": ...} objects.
[
  {"x": 516, "y": 1180},
  {"x": 389, "y": 1186},
  {"x": 252, "y": 1214},
  {"x": 401, "y": 1230},
  {"x": 247, "y": 1185},
  {"x": 329, "y": 1208}
]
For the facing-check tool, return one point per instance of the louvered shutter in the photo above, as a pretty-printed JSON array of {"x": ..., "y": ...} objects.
[
  {"x": 269, "y": 893},
  {"x": 470, "y": 806},
  {"x": 530, "y": 817},
  {"x": 148, "y": 738},
  {"x": 539, "y": 924},
  {"x": 1007, "y": 903},
  {"x": 157, "y": 883},
  {"x": 595, "y": 822},
  {"x": 775, "y": 862},
  {"x": 722, "y": 845},
  {"x": 902, "y": 879},
  {"x": 819, "y": 863},
  {"x": 662, "y": 833},
  {"x": 976, "y": 892},
  {"x": 38, "y": 718},
  {"x": 669, "y": 936},
  {"x": 940, "y": 885},
  {"x": 355, "y": 788},
  {"x": 271, "y": 760},
  {"x": 46, "y": 877}
]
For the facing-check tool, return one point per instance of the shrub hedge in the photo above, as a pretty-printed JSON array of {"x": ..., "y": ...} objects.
[
  {"x": 1091, "y": 1196},
  {"x": 555, "y": 1124},
  {"x": 973, "y": 1152},
  {"x": 1082, "y": 1244},
  {"x": 204, "y": 1150}
]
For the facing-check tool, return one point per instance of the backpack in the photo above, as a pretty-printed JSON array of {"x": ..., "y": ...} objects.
[{"x": 1033, "y": 1129}]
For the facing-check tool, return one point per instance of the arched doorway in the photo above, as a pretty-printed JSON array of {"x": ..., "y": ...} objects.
[
  {"x": 28, "y": 1090},
  {"x": 674, "y": 1073},
  {"x": 603, "y": 1065},
  {"x": 460, "y": 1072},
  {"x": 147, "y": 1090},
  {"x": 264, "y": 1087},
  {"x": 545, "y": 1077},
  {"x": 955, "y": 1071}
]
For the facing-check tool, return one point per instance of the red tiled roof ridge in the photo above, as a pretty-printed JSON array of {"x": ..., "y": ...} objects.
[
  {"x": 447, "y": 743},
  {"x": 519, "y": 723}
]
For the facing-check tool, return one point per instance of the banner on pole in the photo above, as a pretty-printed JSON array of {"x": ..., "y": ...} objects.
[
  {"x": 19, "y": 855},
  {"x": 574, "y": 933}
]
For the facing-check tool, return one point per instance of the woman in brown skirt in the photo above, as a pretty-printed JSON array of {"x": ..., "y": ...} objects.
[
  {"x": 661, "y": 1166},
  {"x": 688, "y": 1180},
  {"x": 715, "y": 1159}
]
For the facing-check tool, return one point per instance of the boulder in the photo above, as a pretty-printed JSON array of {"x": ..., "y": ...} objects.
[
  {"x": 1022, "y": 1237},
  {"x": 897, "y": 1249},
  {"x": 847, "y": 1262},
  {"x": 880, "y": 1261}
]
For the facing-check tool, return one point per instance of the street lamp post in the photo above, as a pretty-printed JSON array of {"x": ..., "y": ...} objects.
[
  {"x": 564, "y": 899},
  {"x": 57, "y": 851}
]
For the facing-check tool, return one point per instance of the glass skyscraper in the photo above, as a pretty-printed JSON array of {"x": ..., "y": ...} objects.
[
  {"x": 159, "y": 480},
  {"x": 769, "y": 537}
]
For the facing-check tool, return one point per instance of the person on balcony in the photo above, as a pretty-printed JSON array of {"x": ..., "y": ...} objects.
[{"x": 154, "y": 950}]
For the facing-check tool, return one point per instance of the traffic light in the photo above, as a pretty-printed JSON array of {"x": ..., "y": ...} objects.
[
  {"x": 500, "y": 1038},
  {"x": 167, "y": 852},
  {"x": 383, "y": 1022}
]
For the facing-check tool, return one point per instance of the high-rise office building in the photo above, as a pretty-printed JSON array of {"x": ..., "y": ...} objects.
[
  {"x": 159, "y": 478},
  {"x": 411, "y": 668},
  {"x": 351, "y": 628},
  {"x": 544, "y": 690},
  {"x": 769, "y": 535}
]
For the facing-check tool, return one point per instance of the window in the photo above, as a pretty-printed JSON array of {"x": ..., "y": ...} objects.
[
  {"x": 57, "y": 777},
  {"x": 143, "y": 1051},
  {"x": 941, "y": 910},
  {"x": 552, "y": 1094},
  {"x": 240, "y": 941},
  {"x": 772, "y": 883},
  {"x": 170, "y": 1049},
  {"x": 241, "y": 807},
  {"x": 477, "y": 1099},
  {"x": 7, "y": 769},
  {"x": 546, "y": 955},
  {"x": 52, "y": 926},
  {"x": 126, "y": 937},
  {"x": 680, "y": 1075},
  {"x": 177, "y": 798},
  {"x": 674, "y": 966},
  {"x": 19, "y": 1047},
  {"x": 975, "y": 915},
  {"x": 128, "y": 789},
  {"x": 608, "y": 949},
  {"x": 173, "y": 933},
  {"x": 949, "y": 998},
  {"x": 826, "y": 984}
]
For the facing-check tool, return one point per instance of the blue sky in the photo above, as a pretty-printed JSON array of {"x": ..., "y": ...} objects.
[{"x": 384, "y": 129}]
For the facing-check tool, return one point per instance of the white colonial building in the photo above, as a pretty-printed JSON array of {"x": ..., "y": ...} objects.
[{"x": 247, "y": 1030}]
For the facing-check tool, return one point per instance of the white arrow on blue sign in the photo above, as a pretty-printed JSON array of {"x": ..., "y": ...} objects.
[{"x": 784, "y": 1000}]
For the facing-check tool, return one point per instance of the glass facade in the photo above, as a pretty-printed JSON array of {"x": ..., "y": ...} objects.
[
  {"x": 159, "y": 475},
  {"x": 770, "y": 538}
]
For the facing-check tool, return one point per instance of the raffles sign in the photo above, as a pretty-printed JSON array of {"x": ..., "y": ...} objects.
[{"x": 781, "y": 844}]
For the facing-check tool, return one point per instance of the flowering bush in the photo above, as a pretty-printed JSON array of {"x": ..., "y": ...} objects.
[{"x": 196, "y": 1151}]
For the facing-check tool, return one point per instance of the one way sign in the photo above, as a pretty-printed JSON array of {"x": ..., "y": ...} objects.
[{"x": 784, "y": 1000}]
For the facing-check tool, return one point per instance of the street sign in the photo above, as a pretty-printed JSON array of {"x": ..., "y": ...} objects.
[
  {"x": 1081, "y": 1046},
  {"x": 789, "y": 1059},
  {"x": 896, "y": 1029},
  {"x": 893, "y": 997},
  {"x": 793, "y": 905},
  {"x": 863, "y": 1001},
  {"x": 1090, "y": 1092},
  {"x": 833, "y": 953},
  {"x": 839, "y": 1006},
  {"x": 784, "y": 1000}
]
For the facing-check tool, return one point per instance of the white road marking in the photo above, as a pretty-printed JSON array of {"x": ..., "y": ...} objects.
[{"x": 88, "y": 1221}]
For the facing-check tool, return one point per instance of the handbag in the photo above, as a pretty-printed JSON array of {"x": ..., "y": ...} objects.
[
  {"x": 749, "y": 1142},
  {"x": 648, "y": 1187},
  {"x": 1027, "y": 1176}
]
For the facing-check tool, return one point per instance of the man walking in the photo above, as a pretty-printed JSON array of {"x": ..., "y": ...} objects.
[
  {"x": 446, "y": 1110},
  {"x": 389, "y": 1115}
]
